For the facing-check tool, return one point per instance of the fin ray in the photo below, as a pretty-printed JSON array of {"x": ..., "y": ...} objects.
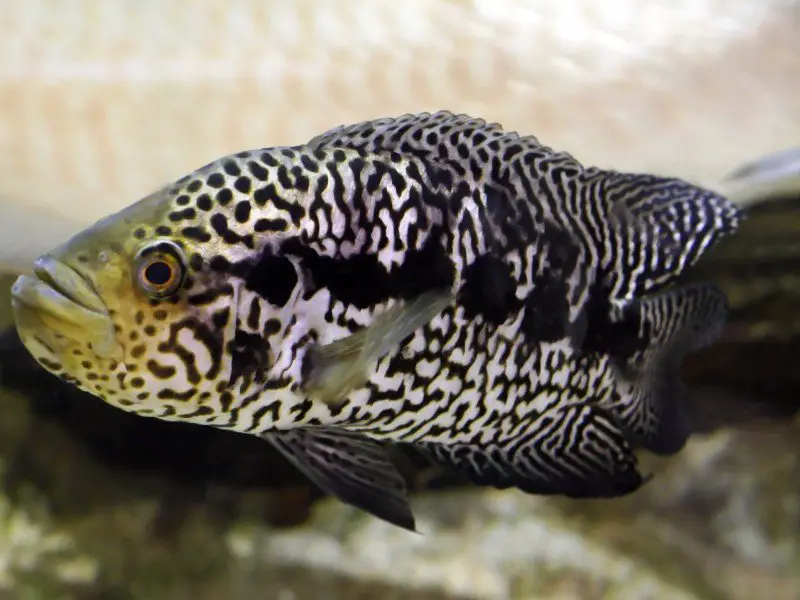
[
  {"x": 666, "y": 327},
  {"x": 349, "y": 466},
  {"x": 577, "y": 451}
]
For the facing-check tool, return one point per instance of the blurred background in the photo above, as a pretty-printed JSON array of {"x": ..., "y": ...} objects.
[{"x": 103, "y": 101}]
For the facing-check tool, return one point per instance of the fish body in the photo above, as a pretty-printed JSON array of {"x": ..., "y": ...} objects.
[{"x": 430, "y": 279}]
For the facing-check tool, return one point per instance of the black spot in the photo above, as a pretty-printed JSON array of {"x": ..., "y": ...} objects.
[
  {"x": 231, "y": 168},
  {"x": 216, "y": 180},
  {"x": 242, "y": 184},
  {"x": 183, "y": 200},
  {"x": 196, "y": 233},
  {"x": 139, "y": 234},
  {"x": 220, "y": 318},
  {"x": 272, "y": 327},
  {"x": 204, "y": 202},
  {"x": 159, "y": 370},
  {"x": 224, "y": 196},
  {"x": 309, "y": 163},
  {"x": 268, "y": 159},
  {"x": 273, "y": 278},
  {"x": 257, "y": 171},
  {"x": 194, "y": 186},
  {"x": 220, "y": 225},
  {"x": 163, "y": 230},
  {"x": 196, "y": 262},
  {"x": 254, "y": 314},
  {"x": 220, "y": 264},
  {"x": 168, "y": 394},
  {"x": 242, "y": 211},
  {"x": 489, "y": 290},
  {"x": 270, "y": 225}
]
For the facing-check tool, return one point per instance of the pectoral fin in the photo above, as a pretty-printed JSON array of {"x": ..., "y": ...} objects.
[
  {"x": 334, "y": 370},
  {"x": 578, "y": 451},
  {"x": 350, "y": 466}
]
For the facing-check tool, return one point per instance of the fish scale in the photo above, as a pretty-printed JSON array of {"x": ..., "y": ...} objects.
[{"x": 430, "y": 280}]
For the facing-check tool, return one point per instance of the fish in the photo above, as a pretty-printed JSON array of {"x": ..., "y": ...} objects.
[
  {"x": 90, "y": 116},
  {"x": 431, "y": 279}
]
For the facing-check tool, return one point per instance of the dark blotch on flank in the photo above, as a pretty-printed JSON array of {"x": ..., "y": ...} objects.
[
  {"x": 547, "y": 306},
  {"x": 619, "y": 339},
  {"x": 546, "y": 310},
  {"x": 163, "y": 230},
  {"x": 489, "y": 290},
  {"x": 194, "y": 186},
  {"x": 273, "y": 278},
  {"x": 363, "y": 281}
]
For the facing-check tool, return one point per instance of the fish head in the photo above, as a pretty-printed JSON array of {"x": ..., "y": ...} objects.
[{"x": 138, "y": 311}]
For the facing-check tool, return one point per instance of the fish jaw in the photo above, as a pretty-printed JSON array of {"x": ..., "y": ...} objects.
[{"x": 57, "y": 302}]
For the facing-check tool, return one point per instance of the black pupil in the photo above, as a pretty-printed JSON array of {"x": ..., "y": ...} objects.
[{"x": 158, "y": 273}]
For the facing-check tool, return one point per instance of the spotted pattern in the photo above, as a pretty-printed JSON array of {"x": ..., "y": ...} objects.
[{"x": 295, "y": 246}]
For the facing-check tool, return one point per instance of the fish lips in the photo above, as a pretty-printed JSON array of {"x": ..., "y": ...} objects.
[{"x": 60, "y": 300}]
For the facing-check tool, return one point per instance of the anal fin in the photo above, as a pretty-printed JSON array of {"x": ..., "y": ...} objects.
[
  {"x": 349, "y": 466},
  {"x": 577, "y": 451}
]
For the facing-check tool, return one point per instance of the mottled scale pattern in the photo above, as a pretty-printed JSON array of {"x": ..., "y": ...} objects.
[
  {"x": 639, "y": 228},
  {"x": 289, "y": 248}
]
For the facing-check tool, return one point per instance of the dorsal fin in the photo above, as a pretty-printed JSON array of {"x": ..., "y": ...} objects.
[{"x": 642, "y": 229}]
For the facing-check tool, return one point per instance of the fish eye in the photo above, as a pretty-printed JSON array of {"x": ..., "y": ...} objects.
[{"x": 160, "y": 269}]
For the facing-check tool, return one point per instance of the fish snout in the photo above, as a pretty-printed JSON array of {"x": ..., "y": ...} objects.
[{"x": 57, "y": 300}]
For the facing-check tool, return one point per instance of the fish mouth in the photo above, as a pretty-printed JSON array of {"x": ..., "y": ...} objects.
[{"x": 58, "y": 299}]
